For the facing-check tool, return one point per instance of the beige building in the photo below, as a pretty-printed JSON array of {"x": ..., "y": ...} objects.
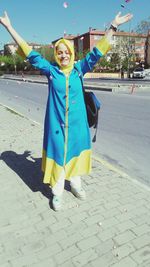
[{"x": 11, "y": 48}]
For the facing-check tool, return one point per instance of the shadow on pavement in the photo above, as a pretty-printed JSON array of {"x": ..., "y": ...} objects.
[{"x": 28, "y": 169}]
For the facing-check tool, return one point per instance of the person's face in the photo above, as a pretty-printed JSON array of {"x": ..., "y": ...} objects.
[{"x": 63, "y": 54}]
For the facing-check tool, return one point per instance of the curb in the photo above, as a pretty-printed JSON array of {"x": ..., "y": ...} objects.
[
  {"x": 18, "y": 113},
  {"x": 121, "y": 173}
]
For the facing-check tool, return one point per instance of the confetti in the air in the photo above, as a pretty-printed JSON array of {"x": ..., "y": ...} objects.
[
  {"x": 127, "y": 1},
  {"x": 65, "y": 4},
  {"x": 82, "y": 38}
]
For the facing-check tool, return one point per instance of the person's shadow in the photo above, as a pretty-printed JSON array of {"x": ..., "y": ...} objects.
[{"x": 28, "y": 169}]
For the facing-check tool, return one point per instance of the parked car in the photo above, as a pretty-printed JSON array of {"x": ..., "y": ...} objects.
[{"x": 139, "y": 73}]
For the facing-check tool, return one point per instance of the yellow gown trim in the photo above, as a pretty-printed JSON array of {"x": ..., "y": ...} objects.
[
  {"x": 77, "y": 166},
  {"x": 103, "y": 45},
  {"x": 24, "y": 49}
]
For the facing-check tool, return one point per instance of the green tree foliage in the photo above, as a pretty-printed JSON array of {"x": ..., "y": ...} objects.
[
  {"x": 115, "y": 61},
  {"x": 47, "y": 52},
  {"x": 79, "y": 55},
  {"x": 101, "y": 65},
  {"x": 13, "y": 63}
]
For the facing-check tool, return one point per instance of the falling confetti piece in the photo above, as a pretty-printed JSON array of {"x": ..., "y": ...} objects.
[
  {"x": 65, "y": 4},
  {"x": 82, "y": 38}
]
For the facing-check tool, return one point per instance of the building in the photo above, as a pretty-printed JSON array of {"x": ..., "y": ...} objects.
[
  {"x": 11, "y": 48},
  {"x": 123, "y": 42},
  {"x": 69, "y": 37},
  {"x": 120, "y": 41}
]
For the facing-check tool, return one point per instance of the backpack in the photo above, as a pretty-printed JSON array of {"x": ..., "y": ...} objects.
[{"x": 92, "y": 107}]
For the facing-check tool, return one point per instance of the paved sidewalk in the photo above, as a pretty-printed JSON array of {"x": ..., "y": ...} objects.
[{"x": 111, "y": 228}]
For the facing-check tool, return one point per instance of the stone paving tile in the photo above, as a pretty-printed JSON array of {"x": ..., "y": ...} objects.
[{"x": 110, "y": 228}]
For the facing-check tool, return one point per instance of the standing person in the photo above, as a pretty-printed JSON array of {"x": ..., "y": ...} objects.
[{"x": 67, "y": 142}]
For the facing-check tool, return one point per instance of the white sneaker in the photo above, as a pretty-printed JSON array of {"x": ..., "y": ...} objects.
[
  {"x": 57, "y": 202},
  {"x": 79, "y": 193}
]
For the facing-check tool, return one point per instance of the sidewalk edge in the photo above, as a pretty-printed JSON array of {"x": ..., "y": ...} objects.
[{"x": 118, "y": 171}]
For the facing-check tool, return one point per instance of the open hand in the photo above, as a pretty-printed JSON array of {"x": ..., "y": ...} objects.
[
  {"x": 5, "y": 21},
  {"x": 121, "y": 19}
]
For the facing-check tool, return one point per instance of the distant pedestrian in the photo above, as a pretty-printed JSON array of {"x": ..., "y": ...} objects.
[{"x": 67, "y": 142}]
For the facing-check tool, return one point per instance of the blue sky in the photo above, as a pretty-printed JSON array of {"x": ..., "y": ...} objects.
[{"x": 46, "y": 20}]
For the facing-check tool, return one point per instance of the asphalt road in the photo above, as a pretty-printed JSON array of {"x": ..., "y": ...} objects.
[{"x": 124, "y": 132}]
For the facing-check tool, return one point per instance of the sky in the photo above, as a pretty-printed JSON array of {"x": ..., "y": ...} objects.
[{"x": 47, "y": 20}]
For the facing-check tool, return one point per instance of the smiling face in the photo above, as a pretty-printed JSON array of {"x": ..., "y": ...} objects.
[{"x": 63, "y": 54}]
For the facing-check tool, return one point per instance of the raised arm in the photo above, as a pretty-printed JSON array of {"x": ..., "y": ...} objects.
[
  {"x": 104, "y": 44},
  {"x": 117, "y": 21},
  {"x": 5, "y": 21},
  {"x": 24, "y": 49}
]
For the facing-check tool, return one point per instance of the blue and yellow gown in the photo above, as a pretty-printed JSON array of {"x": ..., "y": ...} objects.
[{"x": 66, "y": 142}]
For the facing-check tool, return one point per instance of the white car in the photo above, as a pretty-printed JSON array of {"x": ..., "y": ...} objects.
[{"x": 138, "y": 73}]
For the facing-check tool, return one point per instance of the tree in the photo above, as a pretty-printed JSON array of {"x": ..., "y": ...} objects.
[
  {"x": 143, "y": 26},
  {"x": 13, "y": 63},
  {"x": 80, "y": 54},
  {"x": 125, "y": 54},
  {"x": 47, "y": 52},
  {"x": 115, "y": 61}
]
